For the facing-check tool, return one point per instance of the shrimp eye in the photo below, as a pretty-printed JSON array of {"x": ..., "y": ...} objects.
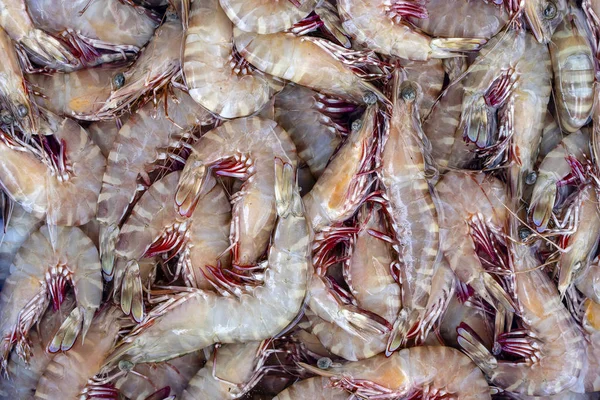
[
  {"x": 370, "y": 98},
  {"x": 531, "y": 178},
  {"x": 550, "y": 11},
  {"x": 356, "y": 125},
  {"x": 6, "y": 117},
  {"x": 119, "y": 80},
  {"x": 324, "y": 363},
  {"x": 125, "y": 365},
  {"x": 22, "y": 111},
  {"x": 524, "y": 233},
  {"x": 408, "y": 93}
]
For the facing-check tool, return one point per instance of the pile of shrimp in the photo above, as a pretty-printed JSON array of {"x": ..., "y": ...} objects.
[{"x": 299, "y": 199}]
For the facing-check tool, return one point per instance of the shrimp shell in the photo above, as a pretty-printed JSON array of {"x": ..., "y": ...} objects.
[{"x": 317, "y": 388}]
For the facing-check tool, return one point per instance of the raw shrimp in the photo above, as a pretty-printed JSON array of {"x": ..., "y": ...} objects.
[
  {"x": 346, "y": 180},
  {"x": 23, "y": 376},
  {"x": 308, "y": 61},
  {"x": 216, "y": 75},
  {"x": 317, "y": 388},
  {"x": 39, "y": 275},
  {"x": 267, "y": 16},
  {"x": 544, "y": 16},
  {"x": 382, "y": 29},
  {"x": 15, "y": 106},
  {"x": 460, "y": 18},
  {"x": 58, "y": 174},
  {"x": 573, "y": 65},
  {"x": 168, "y": 377},
  {"x": 312, "y": 120},
  {"x": 230, "y": 373},
  {"x": 16, "y": 230},
  {"x": 155, "y": 227},
  {"x": 550, "y": 342},
  {"x": 152, "y": 134},
  {"x": 373, "y": 287},
  {"x": 95, "y": 27},
  {"x": 195, "y": 319},
  {"x": 156, "y": 66},
  {"x": 413, "y": 215},
  {"x": 80, "y": 94},
  {"x": 245, "y": 149},
  {"x": 561, "y": 166},
  {"x": 582, "y": 244},
  {"x": 15, "y": 19},
  {"x": 419, "y": 371},
  {"x": 429, "y": 75},
  {"x": 104, "y": 133},
  {"x": 69, "y": 374},
  {"x": 469, "y": 203}
]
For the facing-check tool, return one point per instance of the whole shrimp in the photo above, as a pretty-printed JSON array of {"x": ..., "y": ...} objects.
[
  {"x": 573, "y": 65},
  {"x": 381, "y": 27},
  {"x": 70, "y": 375},
  {"x": 312, "y": 62},
  {"x": 550, "y": 342},
  {"x": 152, "y": 134},
  {"x": 582, "y": 244},
  {"x": 469, "y": 203},
  {"x": 312, "y": 120},
  {"x": 156, "y": 67},
  {"x": 95, "y": 29},
  {"x": 16, "y": 21},
  {"x": 39, "y": 275},
  {"x": 78, "y": 94},
  {"x": 458, "y": 18},
  {"x": 17, "y": 229},
  {"x": 169, "y": 378},
  {"x": 58, "y": 174},
  {"x": 23, "y": 376},
  {"x": 414, "y": 218},
  {"x": 414, "y": 372},
  {"x": 544, "y": 16},
  {"x": 317, "y": 388},
  {"x": 195, "y": 319},
  {"x": 15, "y": 105},
  {"x": 230, "y": 373},
  {"x": 246, "y": 149},
  {"x": 345, "y": 182},
  {"x": 217, "y": 77},
  {"x": 155, "y": 227},
  {"x": 367, "y": 273},
  {"x": 266, "y": 16},
  {"x": 562, "y": 165}
]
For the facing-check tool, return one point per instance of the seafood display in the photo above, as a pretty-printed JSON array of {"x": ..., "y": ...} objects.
[{"x": 299, "y": 199}]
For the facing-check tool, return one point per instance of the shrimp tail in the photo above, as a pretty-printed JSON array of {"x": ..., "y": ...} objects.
[
  {"x": 473, "y": 347},
  {"x": 363, "y": 320},
  {"x": 452, "y": 47},
  {"x": 478, "y": 123},
  {"x": 189, "y": 189},
  {"x": 131, "y": 292},
  {"x": 542, "y": 202},
  {"x": 493, "y": 293},
  {"x": 68, "y": 331},
  {"x": 108, "y": 241},
  {"x": 401, "y": 332},
  {"x": 284, "y": 189}
]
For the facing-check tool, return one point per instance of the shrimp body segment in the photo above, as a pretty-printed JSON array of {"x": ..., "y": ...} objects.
[
  {"x": 195, "y": 319},
  {"x": 317, "y": 388},
  {"x": 216, "y": 75},
  {"x": 39, "y": 275}
]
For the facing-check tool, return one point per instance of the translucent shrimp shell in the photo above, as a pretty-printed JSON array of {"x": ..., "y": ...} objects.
[{"x": 266, "y": 16}]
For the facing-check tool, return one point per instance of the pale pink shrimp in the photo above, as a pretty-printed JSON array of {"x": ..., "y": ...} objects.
[
  {"x": 23, "y": 376},
  {"x": 58, "y": 174},
  {"x": 39, "y": 275},
  {"x": 151, "y": 135},
  {"x": 314, "y": 123},
  {"x": 550, "y": 343},
  {"x": 70, "y": 375},
  {"x": 267, "y": 16},
  {"x": 318, "y": 388},
  {"x": 245, "y": 149},
  {"x": 230, "y": 373},
  {"x": 419, "y": 372},
  {"x": 155, "y": 227},
  {"x": 382, "y": 28}
]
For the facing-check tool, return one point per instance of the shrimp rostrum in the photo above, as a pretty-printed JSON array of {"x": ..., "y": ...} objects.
[{"x": 194, "y": 319}]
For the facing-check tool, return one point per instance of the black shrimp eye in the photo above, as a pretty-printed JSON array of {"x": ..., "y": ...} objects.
[
  {"x": 531, "y": 178},
  {"x": 6, "y": 117},
  {"x": 408, "y": 93},
  {"x": 119, "y": 80},
  {"x": 22, "y": 111},
  {"x": 550, "y": 11}
]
